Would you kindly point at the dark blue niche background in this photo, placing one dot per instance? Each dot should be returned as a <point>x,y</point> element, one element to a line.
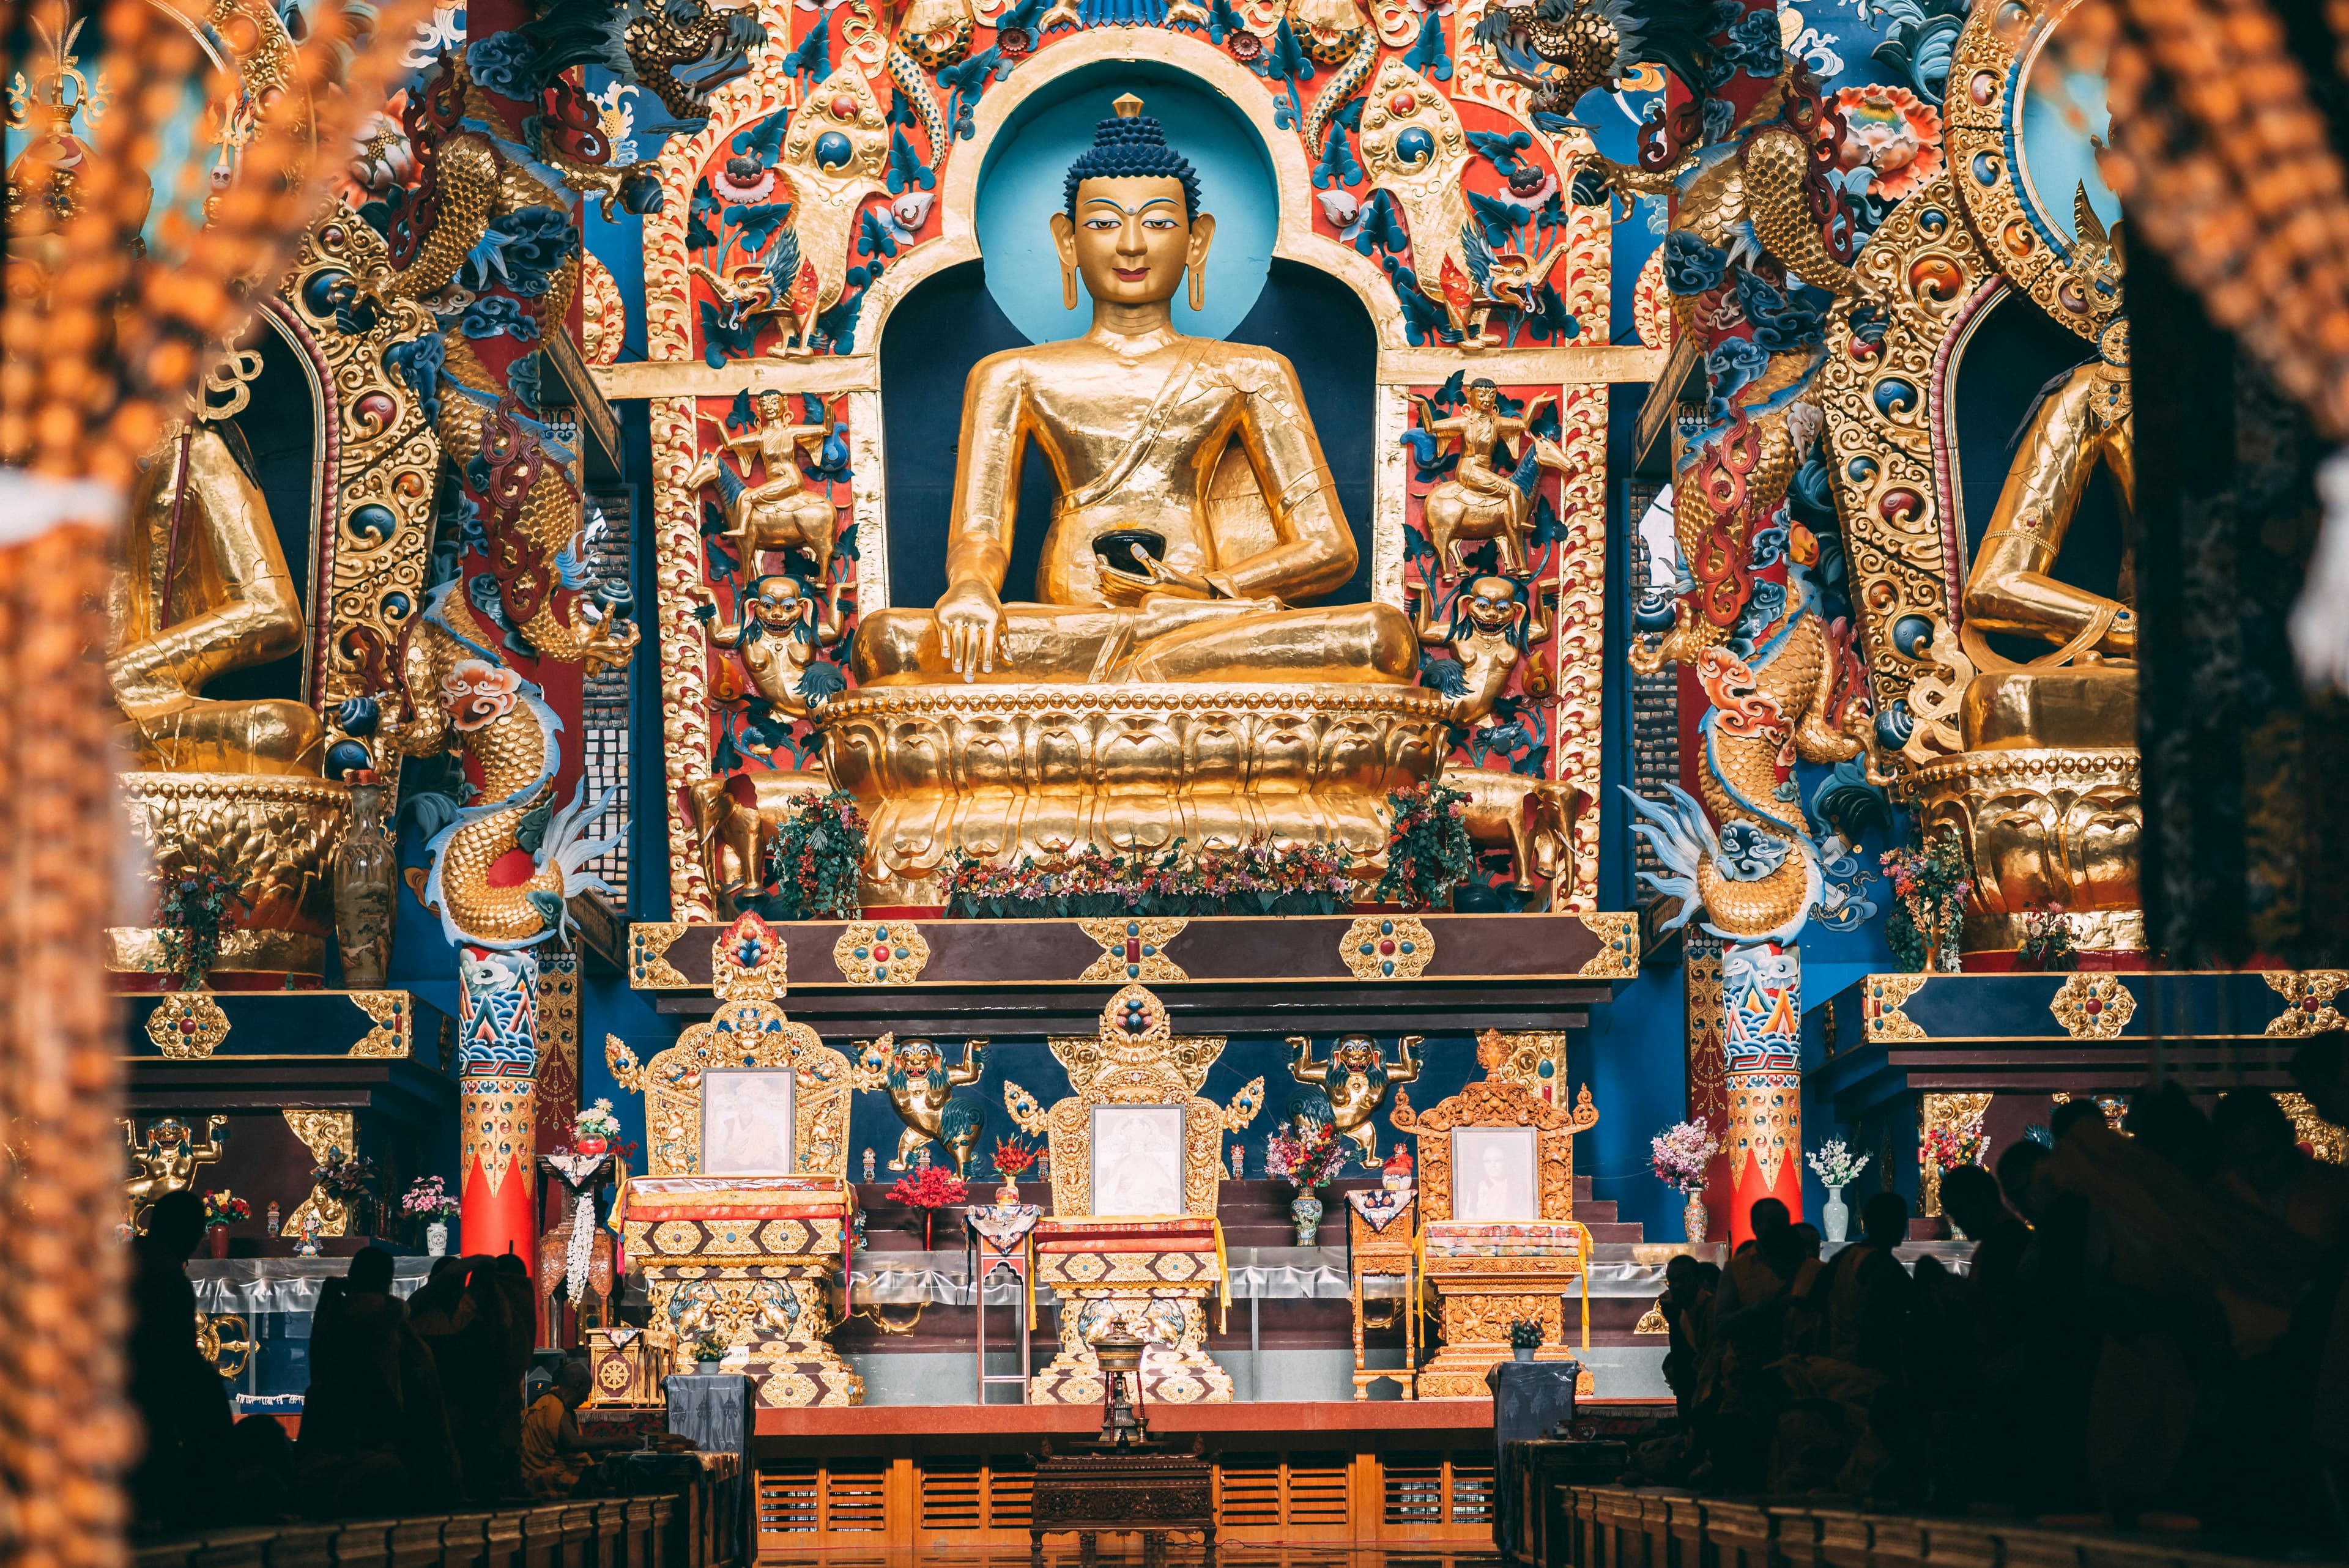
<point>949,323</point>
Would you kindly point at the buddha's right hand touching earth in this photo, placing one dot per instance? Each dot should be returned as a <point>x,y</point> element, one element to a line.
<point>970,624</point>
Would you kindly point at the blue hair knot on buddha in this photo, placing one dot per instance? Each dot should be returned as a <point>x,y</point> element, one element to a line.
<point>1132,147</point>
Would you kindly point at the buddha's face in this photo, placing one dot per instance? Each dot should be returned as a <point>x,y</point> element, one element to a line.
<point>1131,240</point>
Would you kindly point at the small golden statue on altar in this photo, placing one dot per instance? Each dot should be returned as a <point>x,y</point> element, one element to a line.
<point>1196,511</point>
<point>164,1161</point>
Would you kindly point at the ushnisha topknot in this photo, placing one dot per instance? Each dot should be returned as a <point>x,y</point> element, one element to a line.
<point>1131,147</point>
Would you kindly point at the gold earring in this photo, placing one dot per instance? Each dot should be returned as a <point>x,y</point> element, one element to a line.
<point>1068,288</point>
<point>1198,286</point>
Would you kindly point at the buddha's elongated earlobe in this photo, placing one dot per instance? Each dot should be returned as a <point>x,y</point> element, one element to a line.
<point>1198,285</point>
<point>1068,288</point>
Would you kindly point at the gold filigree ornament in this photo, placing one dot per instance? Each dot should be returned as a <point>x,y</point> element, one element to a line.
<point>1133,950</point>
<point>2308,1000</point>
<point>648,965</point>
<point>2326,1142</point>
<point>395,1022</point>
<point>1386,947</point>
<point>1880,1001</point>
<point>2093,1007</point>
<point>1618,958</point>
<point>881,953</point>
<point>186,1025</point>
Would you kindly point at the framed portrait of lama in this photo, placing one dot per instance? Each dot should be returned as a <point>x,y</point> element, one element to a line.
<point>1137,1164</point>
<point>1494,1174</point>
<point>745,1121</point>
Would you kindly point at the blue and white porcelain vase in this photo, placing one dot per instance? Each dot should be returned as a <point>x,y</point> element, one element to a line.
<point>1306,1211</point>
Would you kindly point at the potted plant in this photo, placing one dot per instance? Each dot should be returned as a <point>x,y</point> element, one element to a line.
<point>426,1200</point>
<point>596,1129</point>
<point>1679,1155</point>
<point>1525,1338</point>
<point>930,1188</point>
<point>1013,1156</point>
<point>1428,851</point>
<point>1837,1168</point>
<point>1307,1158</point>
<point>221,1210</point>
<point>708,1352</point>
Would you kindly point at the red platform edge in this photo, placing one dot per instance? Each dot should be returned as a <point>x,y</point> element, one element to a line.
<point>1253,1416</point>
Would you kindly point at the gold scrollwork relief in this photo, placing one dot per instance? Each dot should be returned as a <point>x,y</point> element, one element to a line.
<point>187,1025</point>
<point>881,953</point>
<point>2308,1000</point>
<point>1386,947</point>
<point>2093,1007</point>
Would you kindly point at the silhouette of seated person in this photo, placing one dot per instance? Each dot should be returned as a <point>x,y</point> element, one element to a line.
<point>259,1462</point>
<point>557,1458</point>
<point>179,1397</point>
<point>373,1424</point>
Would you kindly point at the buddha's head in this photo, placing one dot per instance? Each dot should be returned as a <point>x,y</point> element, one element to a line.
<point>1132,226</point>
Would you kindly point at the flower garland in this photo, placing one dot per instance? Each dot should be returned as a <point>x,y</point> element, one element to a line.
<point>1254,878</point>
<point>1932,882</point>
<point>1428,851</point>
<point>1836,1165</point>
<point>1679,1153</point>
<point>1308,1160</point>
<point>814,861</point>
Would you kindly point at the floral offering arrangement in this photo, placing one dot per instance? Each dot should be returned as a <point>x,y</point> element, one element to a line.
<point>343,1176</point>
<point>930,1188</point>
<point>427,1198</point>
<point>2047,946</point>
<point>1256,878</point>
<point>192,918</point>
<point>1949,1146</point>
<point>813,863</point>
<point>1932,882</point>
<point>1836,1165</point>
<point>1679,1153</point>
<point>1428,851</point>
<point>596,1123</point>
<point>1524,1334</point>
<point>1309,1161</point>
<point>225,1208</point>
<point>1013,1156</point>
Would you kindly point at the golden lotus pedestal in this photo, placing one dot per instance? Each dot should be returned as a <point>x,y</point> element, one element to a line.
<point>274,835</point>
<point>1003,771</point>
<point>2044,824</point>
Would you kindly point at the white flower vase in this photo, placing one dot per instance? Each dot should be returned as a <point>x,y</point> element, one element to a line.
<point>1835,1215</point>
<point>436,1239</point>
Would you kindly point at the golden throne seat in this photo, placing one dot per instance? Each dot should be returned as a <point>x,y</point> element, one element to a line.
<point>1517,1248</point>
<point>748,1255</point>
<point>1152,1262</point>
<point>1002,771</point>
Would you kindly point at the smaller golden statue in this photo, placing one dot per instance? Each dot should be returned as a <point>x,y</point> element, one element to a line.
<point>164,1159</point>
<point>779,513</point>
<point>1479,501</point>
<point>782,627</point>
<point>1494,622</point>
<point>920,1085</point>
<point>1356,1077</point>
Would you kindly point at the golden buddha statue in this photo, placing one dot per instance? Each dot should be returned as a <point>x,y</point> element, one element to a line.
<point>1166,684</point>
<point>206,591</point>
<point>1195,501</point>
<point>2045,792</point>
<point>231,785</point>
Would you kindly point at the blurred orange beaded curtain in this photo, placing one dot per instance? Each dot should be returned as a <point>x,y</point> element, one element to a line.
<point>95,355</point>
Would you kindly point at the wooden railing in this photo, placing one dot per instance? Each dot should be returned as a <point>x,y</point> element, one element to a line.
<point>1621,1527</point>
<point>678,1531</point>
